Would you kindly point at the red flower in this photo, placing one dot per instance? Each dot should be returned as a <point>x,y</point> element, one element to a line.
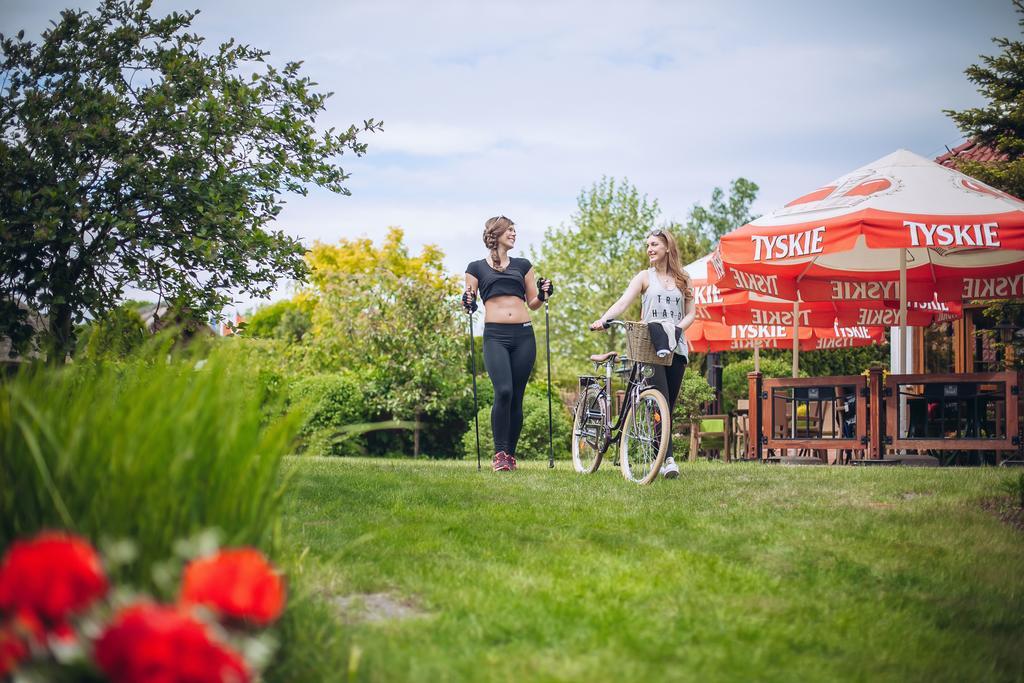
<point>13,650</point>
<point>15,637</point>
<point>146,642</point>
<point>237,584</point>
<point>51,576</point>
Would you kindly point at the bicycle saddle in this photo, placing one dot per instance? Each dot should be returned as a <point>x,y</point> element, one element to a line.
<point>604,357</point>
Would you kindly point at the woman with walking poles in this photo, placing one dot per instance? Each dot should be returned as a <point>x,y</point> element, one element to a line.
<point>505,284</point>
<point>667,298</point>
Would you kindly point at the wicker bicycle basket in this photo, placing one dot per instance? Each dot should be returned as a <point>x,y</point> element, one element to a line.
<point>638,342</point>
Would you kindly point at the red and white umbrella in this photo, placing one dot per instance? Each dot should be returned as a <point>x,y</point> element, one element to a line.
<point>738,319</point>
<point>743,307</point>
<point>707,335</point>
<point>902,228</point>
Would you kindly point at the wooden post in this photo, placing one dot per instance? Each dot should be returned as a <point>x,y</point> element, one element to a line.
<point>727,426</point>
<point>754,416</point>
<point>875,417</point>
<point>694,440</point>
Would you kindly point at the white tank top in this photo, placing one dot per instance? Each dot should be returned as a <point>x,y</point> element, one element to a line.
<point>661,303</point>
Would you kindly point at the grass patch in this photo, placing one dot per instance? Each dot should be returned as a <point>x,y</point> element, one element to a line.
<point>147,450</point>
<point>154,452</point>
<point>738,572</point>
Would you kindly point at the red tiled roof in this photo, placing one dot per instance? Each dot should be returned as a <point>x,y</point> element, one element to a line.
<point>971,151</point>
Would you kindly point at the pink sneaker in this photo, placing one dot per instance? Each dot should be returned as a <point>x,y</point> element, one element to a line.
<point>511,462</point>
<point>500,462</point>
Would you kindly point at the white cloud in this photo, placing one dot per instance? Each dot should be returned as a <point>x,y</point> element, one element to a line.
<point>434,139</point>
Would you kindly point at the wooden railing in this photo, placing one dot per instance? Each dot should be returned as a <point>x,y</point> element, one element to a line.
<point>832,417</point>
<point>968,411</point>
<point>952,412</point>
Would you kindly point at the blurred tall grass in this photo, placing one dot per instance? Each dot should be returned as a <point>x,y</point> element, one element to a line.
<point>153,449</point>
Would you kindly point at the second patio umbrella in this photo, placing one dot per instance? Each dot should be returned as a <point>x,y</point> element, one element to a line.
<point>706,335</point>
<point>738,319</point>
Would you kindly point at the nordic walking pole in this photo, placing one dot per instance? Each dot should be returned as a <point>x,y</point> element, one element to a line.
<point>476,410</point>
<point>547,345</point>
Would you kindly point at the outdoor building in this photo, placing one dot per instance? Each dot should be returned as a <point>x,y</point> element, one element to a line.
<point>956,346</point>
<point>226,330</point>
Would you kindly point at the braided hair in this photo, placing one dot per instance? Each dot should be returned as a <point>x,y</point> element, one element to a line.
<point>493,229</point>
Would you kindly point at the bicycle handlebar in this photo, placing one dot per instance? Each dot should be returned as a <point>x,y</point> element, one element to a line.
<point>611,323</point>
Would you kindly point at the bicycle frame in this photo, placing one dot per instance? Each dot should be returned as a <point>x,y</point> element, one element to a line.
<point>635,384</point>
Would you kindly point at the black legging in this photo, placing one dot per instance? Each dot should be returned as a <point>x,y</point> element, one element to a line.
<point>668,379</point>
<point>509,352</point>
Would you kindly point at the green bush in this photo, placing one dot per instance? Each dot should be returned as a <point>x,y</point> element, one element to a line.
<point>328,403</point>
<point>835,362</point>
<point>442,422</point>
<point>441,436</point>
<point>533,440</point>
<point>694,393</point>
<point>149,450</point>
<point>680,446</point>
<point>269,365</point>
<point>734,378</point>
<point>115,336</point>
<point>280,320</point>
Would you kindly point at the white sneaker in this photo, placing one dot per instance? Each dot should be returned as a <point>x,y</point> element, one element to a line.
<point>669,469</point>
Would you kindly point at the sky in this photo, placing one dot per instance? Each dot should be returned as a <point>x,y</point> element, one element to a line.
<point>514,108</point>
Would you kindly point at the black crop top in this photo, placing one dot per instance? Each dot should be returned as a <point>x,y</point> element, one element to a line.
<point>509,282</point>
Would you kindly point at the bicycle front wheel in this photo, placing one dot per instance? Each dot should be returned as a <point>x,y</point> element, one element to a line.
<point>645,434</point>
<point>588,429</point>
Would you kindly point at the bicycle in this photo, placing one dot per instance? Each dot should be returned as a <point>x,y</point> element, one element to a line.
<point>642,428</point>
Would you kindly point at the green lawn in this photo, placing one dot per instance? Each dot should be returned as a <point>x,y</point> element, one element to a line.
<point>732,572</point>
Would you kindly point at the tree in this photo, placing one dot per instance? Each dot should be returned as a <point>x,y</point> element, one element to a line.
<point>393,317</point>
<point>349,257</point>
<point>722,215</point>
<point>1000,123</point>
<point>593,258</point>
<point>350,278</point>
<point>129,156</point>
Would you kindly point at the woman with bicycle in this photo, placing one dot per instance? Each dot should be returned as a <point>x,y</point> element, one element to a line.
<point>505,284</point>
<point>666,295</point>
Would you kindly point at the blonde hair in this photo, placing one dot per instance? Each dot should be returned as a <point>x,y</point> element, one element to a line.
<point>673,264</point>
<point>493,229</point>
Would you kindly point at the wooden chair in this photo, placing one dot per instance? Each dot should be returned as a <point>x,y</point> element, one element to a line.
<point>711,433</point>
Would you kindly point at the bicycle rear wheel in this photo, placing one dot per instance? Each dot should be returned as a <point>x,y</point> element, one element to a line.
<point>588,429</point>
<point>645,434</point>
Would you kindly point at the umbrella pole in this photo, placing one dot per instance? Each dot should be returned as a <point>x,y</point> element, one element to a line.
<point>903,312</point>
<point>757,359</point>
<point>796,338</point>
